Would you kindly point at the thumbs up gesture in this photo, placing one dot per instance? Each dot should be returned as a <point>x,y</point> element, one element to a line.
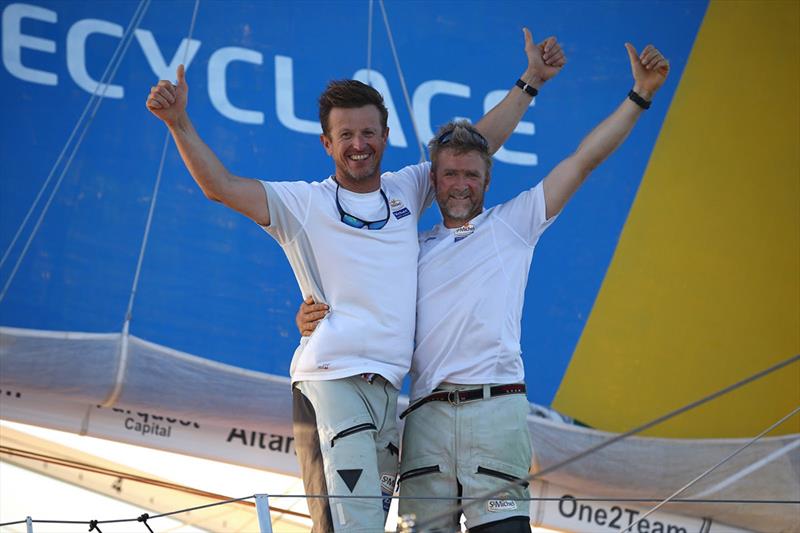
<point>649,69</point>
<point>168,101</point>
<point>544,59</point>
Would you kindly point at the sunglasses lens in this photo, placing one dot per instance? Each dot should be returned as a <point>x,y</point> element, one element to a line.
<point>352,221</point>
<point>378,224</point>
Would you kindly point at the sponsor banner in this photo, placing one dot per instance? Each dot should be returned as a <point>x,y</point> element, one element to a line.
<point>569,513</point>
<point>257,447</point>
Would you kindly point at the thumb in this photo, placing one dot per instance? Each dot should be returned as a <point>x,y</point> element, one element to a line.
<point>181,74</point>
<point>528,37</point>
<point>632,54</point>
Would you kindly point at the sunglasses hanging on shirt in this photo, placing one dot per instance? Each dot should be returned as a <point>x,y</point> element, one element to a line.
<point>358,223</point>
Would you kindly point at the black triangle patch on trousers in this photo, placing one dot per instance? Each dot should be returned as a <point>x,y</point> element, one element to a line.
<point>350,477</point>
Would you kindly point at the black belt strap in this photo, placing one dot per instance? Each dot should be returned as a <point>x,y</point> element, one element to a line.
<point>457,397</point>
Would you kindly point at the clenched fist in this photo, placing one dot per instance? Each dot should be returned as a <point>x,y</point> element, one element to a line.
<point>168,101</point>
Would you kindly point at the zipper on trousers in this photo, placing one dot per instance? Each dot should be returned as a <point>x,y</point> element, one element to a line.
<point>418,472</point>
<point>502,475</point>
<point>354,429</point>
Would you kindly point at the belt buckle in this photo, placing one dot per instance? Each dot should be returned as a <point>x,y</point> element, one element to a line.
<point>453,398</point>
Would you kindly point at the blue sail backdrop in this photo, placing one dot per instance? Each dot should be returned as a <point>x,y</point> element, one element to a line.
<point>214,284</point>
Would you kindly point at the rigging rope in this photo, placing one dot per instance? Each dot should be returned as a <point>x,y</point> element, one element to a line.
<point>621,436</point>
<point>350,496</point>
<point>78,465</point>
<point>369,42</point>
<point>123,360</point>
<point>752,468</point>
<point>157,185</point>
<point>96,100</point>
<point>113,65</point>
<point>708,471</point>
<point>102,82</point>
<point>402,82</point>
<point>69,463</point>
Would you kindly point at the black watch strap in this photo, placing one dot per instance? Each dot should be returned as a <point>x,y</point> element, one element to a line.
<point>527,88</point>
<point>638,100</point>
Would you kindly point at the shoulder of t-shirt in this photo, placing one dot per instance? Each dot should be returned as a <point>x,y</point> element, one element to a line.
<point>523,215</point>
<point>300,184</point>
<point>408,172</point>
<point>529,196</point>
<point>298,189</point>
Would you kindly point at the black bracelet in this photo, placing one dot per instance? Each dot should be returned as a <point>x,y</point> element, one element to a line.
<point>527,88</point>
<point>638,100</point>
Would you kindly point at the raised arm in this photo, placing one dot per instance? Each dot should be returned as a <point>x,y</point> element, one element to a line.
<point>650,70</point>
<point>544,61</point>
<point>168,102</point>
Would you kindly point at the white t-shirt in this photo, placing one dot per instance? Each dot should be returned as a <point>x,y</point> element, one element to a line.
<point>471,287</point>
<point>368,277</point>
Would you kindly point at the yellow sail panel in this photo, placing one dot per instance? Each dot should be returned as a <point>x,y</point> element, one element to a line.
<point>704,287</point>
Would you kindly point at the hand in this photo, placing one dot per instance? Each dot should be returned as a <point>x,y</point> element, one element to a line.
<point>649,69</point>
<point>544,60</point>
<point>309,316</point>
<point>168,101</point>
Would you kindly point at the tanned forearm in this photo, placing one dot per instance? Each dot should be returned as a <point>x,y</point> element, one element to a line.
<point>604,139</point>
<point>244,195</point>
<point>206,169</point>
<point>607,137</point>
<point>168,102</point>
<point>649,70</point>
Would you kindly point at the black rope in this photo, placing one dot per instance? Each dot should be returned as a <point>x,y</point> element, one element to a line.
<point>140,479</point>
<point>533,499</point>
<point>143,519</point>
<point>94,524</point>
<point>620,437</point>
<point>717,465</point>
<point>608,500</point>
<point>84,522</point>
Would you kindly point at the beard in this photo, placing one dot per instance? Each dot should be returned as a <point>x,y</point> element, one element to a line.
<point>459,210</point>
<point>362,174</point>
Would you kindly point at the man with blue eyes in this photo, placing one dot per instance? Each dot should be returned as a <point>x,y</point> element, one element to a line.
<point>466,431</point>
<point>352,242</point>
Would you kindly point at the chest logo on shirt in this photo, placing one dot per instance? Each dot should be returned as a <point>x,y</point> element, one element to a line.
<point>398,208</point>
<point>463,232</point>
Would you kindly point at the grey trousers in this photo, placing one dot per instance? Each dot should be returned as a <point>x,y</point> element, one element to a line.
<point>346,439</point>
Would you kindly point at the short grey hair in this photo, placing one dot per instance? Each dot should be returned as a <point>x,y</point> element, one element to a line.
<point>461,137</point>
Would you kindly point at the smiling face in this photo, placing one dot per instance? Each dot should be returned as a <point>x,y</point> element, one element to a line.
<point>356,141</point>
<point>460,180</point>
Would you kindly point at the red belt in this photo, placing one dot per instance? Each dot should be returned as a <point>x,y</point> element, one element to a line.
<point>458,396</point>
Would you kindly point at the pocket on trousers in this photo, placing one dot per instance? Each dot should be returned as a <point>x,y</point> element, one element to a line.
<point>419,471</point>
<point>358,428</point>
<point>503,472</point>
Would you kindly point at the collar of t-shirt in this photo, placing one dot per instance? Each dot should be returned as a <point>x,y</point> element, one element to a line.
<point>440,231</point>
<point>366,206</point>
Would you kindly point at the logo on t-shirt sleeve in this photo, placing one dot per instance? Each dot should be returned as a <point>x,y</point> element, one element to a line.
<point>398,209</point>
